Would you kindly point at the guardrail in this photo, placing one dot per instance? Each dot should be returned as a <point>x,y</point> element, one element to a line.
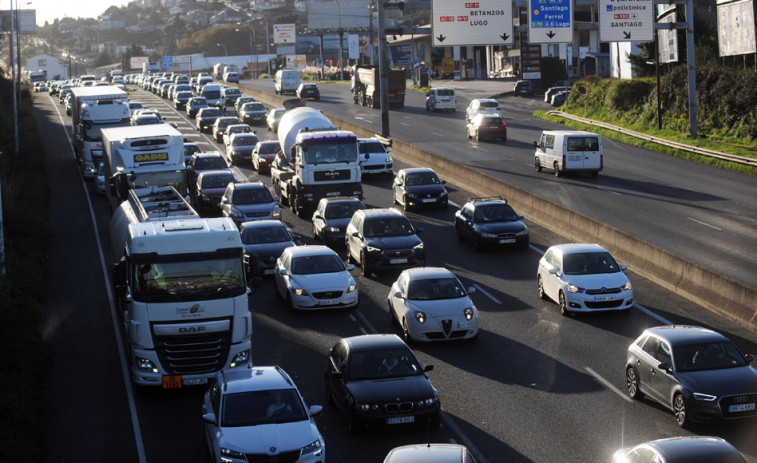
<point>661,141</point>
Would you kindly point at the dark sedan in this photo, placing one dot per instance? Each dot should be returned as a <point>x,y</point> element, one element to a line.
<point>210,187</point>
<point>490,221</point>
<point>253,113</point>
<point>331,217</point>
<point>697,373</point>
<point>376,381</point>
<point>419,187</point>
<point>194,105</point>
<point>206,117</point>
<point>264,241</point>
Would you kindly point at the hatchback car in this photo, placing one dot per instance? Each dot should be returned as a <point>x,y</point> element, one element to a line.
<point>258,414</point>
<point>490,222</point>
<point>194,105</point>
<point>209,188</point>
<point>486,126</point>
<point>693,449</point>
<point>235,128</point>
<point>240,147</point>
<point>263,242</point>
<point>253,113</point>
<point>273,119</point>
<point>430,304</point>
<point>263,155</point>
<point>374,157</point>
<point>249,201</point>
<point>199,162</point>
<point>180,98</point>
<point>376,381</point>
<point>419,187</point>
<point>430,453</point>
<point>241,102</point>
<point>583,278</point>
<point>331,217</point>
<point>523,88</point>
<point>700,375</point>
<point>308,90</point>
<point>482,106</point>
<point>314,278</point>
<point>230,95</point>
<point>205,119</point>
<point>383,239</point>
<point>220,124</point>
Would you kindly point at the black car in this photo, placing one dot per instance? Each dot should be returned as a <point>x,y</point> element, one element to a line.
<point>331,217</point>
<point>383,239</point>
<point>376,381</point>
<point>264,241</point>
<point>206,117</point>
<point>253,113</point>
<point>419,187</point>
<point>524,88</point>
<point>203,161</point>
<point>308,90</point>
<point>490,221</point>
<point>700,375</point>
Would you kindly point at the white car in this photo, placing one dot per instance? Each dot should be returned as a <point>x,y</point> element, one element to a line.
<point>430,304</point>
<point>315,277</point>
<point>583,278</point>
<point>482,106</point>
<point>273,119</point>
<point>258,412</point>
<point>430,453</point>
<point>374,157</point>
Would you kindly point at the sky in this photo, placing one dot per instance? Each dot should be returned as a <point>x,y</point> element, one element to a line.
<point>48,10</point>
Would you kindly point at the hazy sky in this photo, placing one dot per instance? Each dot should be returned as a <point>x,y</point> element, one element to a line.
<point>48,10</point>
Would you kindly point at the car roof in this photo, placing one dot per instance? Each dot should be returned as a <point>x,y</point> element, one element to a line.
<point>208,154</point>
<point>570,132</point>
<point>263,224</point>
<point>426,453</point>
<point>685,334</point>
<point>268,142</point>
<point>310,250</point>
<point>215,172</point>
<point>574,248</point>
<point>250,186</point>
<point>485,100</point>
<point>417,170</point>
<point>695,449</point>
<point>485,201</point>
<point>424,273</point>
<point>380,212</point>
<point>254,378</point>
<point>339,199</point>
<point>369,342</point>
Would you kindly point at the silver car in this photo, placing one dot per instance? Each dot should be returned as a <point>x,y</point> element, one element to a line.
<point>430,453</point>
<point>681,450</point>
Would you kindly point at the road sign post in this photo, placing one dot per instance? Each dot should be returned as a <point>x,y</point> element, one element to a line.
<point>472,22</point>
<point>626,20</point>
<point>550,21</point>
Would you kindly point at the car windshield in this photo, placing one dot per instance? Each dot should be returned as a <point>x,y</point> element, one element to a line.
<point>244,141</point>
<point>423,178</point>
<point>226,122</point>
<point>371,147</point>
<point>494,213</point>
<point>210,163</point>
<point>253,107</point>
<point>383,364</point>
<point>430,289</point>
<point>198,102</point>
<point>707,356</point>
<point>388,226</point>
<point>489,104</point>
<point>342,210</point>
<point>233,91</point>
<point>325,263</point>
<point>212,112</point>
<point>217,181</point>
<point>589,263</point>
<point>255,408</point>
<point>212,94</point>
<point>252,196</point>
<point>264,235</point>
<point>268,148</point>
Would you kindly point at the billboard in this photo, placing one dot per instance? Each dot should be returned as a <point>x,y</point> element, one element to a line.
<point>26,21</point>
<point>135,62</point>
<point>668,41</point>
<point>736,35</point>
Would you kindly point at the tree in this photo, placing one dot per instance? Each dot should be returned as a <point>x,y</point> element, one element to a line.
<point>103,59</point>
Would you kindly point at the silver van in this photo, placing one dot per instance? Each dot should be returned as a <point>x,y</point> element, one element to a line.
<point>569,151</point>
<point>441,99</point>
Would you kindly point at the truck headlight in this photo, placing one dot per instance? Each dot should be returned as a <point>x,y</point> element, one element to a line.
<point>240,358</point>
<point>144,364</point>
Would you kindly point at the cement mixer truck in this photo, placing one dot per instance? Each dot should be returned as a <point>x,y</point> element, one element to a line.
<point>324,160</point>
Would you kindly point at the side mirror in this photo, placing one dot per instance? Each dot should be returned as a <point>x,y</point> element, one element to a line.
<point>337,375</point>
<point>283,272</point>
<point>749,358</point>
<point>210,418</point>
<point>418,230</point>
<point>315,410</point>
<point>471,289</point>
<point>350,267</point>
<point>398,295</point>
<point>428,367</point>
<point>444,182</point>
<point>664,366</point>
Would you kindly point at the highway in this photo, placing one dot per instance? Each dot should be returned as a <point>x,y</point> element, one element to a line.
<point>535,387</point>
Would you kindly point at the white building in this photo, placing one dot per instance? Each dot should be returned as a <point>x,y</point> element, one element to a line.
<point>50,64</point>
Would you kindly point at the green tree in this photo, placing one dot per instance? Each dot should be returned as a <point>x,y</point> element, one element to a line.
<point>103,59</point>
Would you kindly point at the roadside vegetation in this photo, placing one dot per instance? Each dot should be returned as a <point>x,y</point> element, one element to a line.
<point>25,357</point>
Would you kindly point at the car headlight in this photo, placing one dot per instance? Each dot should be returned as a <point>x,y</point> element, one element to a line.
<point>336,230</point>
<point>388,159</point>
<point>262,160</point>
<point>488,235</point>
<point>418,247</point>
<point>575,289</point>
<point>235,213</point>
<point>426,402</point>
<point>627,286</point>
<point>468,312</point>
<point>232,453</point>
<point>372,249</point>
<point>412,195</point>
<point>300,292</point>
<point>420,316</point>
<point>522,232</point>
<point>312,447</point>
<point>369,407</point>
<point>276,214</point>
<point>352,287</point>
<point>704,397</point>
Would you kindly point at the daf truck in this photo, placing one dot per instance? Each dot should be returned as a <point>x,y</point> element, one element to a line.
<point>142,156</point>
<point>324,160</point>
<point>92,110</point>
<point>181,285</point>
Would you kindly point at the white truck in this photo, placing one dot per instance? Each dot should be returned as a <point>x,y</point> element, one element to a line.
<point>92,110</point>
<point>180,282</point>
<point>324,160</point>
<point>142,156</point>
<point>218,70</point>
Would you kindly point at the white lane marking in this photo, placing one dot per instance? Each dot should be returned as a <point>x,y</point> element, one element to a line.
<point>116,328</point>
<point>363,119</point>
<point>437,134</point>
<point>405,124</point>
<point>705,224</point>
<point>496,301</point>
<point>608,385</point>
<point>653,315</point>
<point>610,191</point>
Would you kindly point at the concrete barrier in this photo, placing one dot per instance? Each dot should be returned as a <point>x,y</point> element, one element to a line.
<point>681,276</point>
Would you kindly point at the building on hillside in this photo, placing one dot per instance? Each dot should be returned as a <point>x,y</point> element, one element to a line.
<point>108,22</point>
<point>49,64</point>
<point>228,16</point>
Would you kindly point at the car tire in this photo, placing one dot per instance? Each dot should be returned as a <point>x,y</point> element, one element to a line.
<point>392,318</point>
<point>542,295</point>
<point>289,302</point>
<point>405,207</point>
<point>679,409</point>
<point>595,174</point>
<point>537,164</point>
<point>458,233</point>
<point>405,332</point>
<point>563,303</point>
<point>632,384</point>
<point>364,265</point>
<point>352,428</point>
<point>556,168</point>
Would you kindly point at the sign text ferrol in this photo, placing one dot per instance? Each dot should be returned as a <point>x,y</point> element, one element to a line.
<point>550,21</point>
<point>626,20</point>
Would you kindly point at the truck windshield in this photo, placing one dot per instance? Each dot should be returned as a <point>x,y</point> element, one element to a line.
<point>331,153</point>
<point>92,132</point>
<point>174,178</point>
<point>189,280</point>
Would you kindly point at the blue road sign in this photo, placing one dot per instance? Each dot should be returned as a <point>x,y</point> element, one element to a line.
<point>550,21</point>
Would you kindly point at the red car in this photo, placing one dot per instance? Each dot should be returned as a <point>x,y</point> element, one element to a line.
<point>263,154</point>
<point>484,126</point>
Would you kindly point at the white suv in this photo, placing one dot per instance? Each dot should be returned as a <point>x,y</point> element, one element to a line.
<point>374,157</point>
<point>257,414</point>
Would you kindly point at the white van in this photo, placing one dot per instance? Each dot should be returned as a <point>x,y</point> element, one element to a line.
<point>569,151</point>
<point>212,93</point>
<point>441,99</point>
<point>286,80</point>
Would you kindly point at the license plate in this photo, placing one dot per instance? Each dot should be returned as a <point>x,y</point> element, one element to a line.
<point>268,271</point>
<point>332,193</point>
<point>507,240</point>
<point>741,408</point>
<point>604,298</point>
<point>328,302</point>
<point>398,261</point>
<point>574,158</point>
<point>172,382</point>
<point>400,420</point>
<point>429,200</point>
<point>195,381</point>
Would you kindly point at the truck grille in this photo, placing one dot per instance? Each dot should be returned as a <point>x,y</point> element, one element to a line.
<point>331,175</point>
<point>193,354</point>
<point>284,457</point>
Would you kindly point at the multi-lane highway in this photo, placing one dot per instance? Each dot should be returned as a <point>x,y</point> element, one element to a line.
<point>535,387</point>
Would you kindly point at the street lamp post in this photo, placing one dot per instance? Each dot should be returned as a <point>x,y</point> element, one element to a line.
<point>224,48</point>
<point>252,50</point>
<point>341,62</point>
<point>267,43</point>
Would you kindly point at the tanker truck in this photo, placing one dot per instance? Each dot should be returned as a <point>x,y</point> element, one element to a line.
<point>324,160</point>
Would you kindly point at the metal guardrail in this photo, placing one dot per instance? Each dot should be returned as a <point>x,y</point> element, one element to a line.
<point>672,144</point>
